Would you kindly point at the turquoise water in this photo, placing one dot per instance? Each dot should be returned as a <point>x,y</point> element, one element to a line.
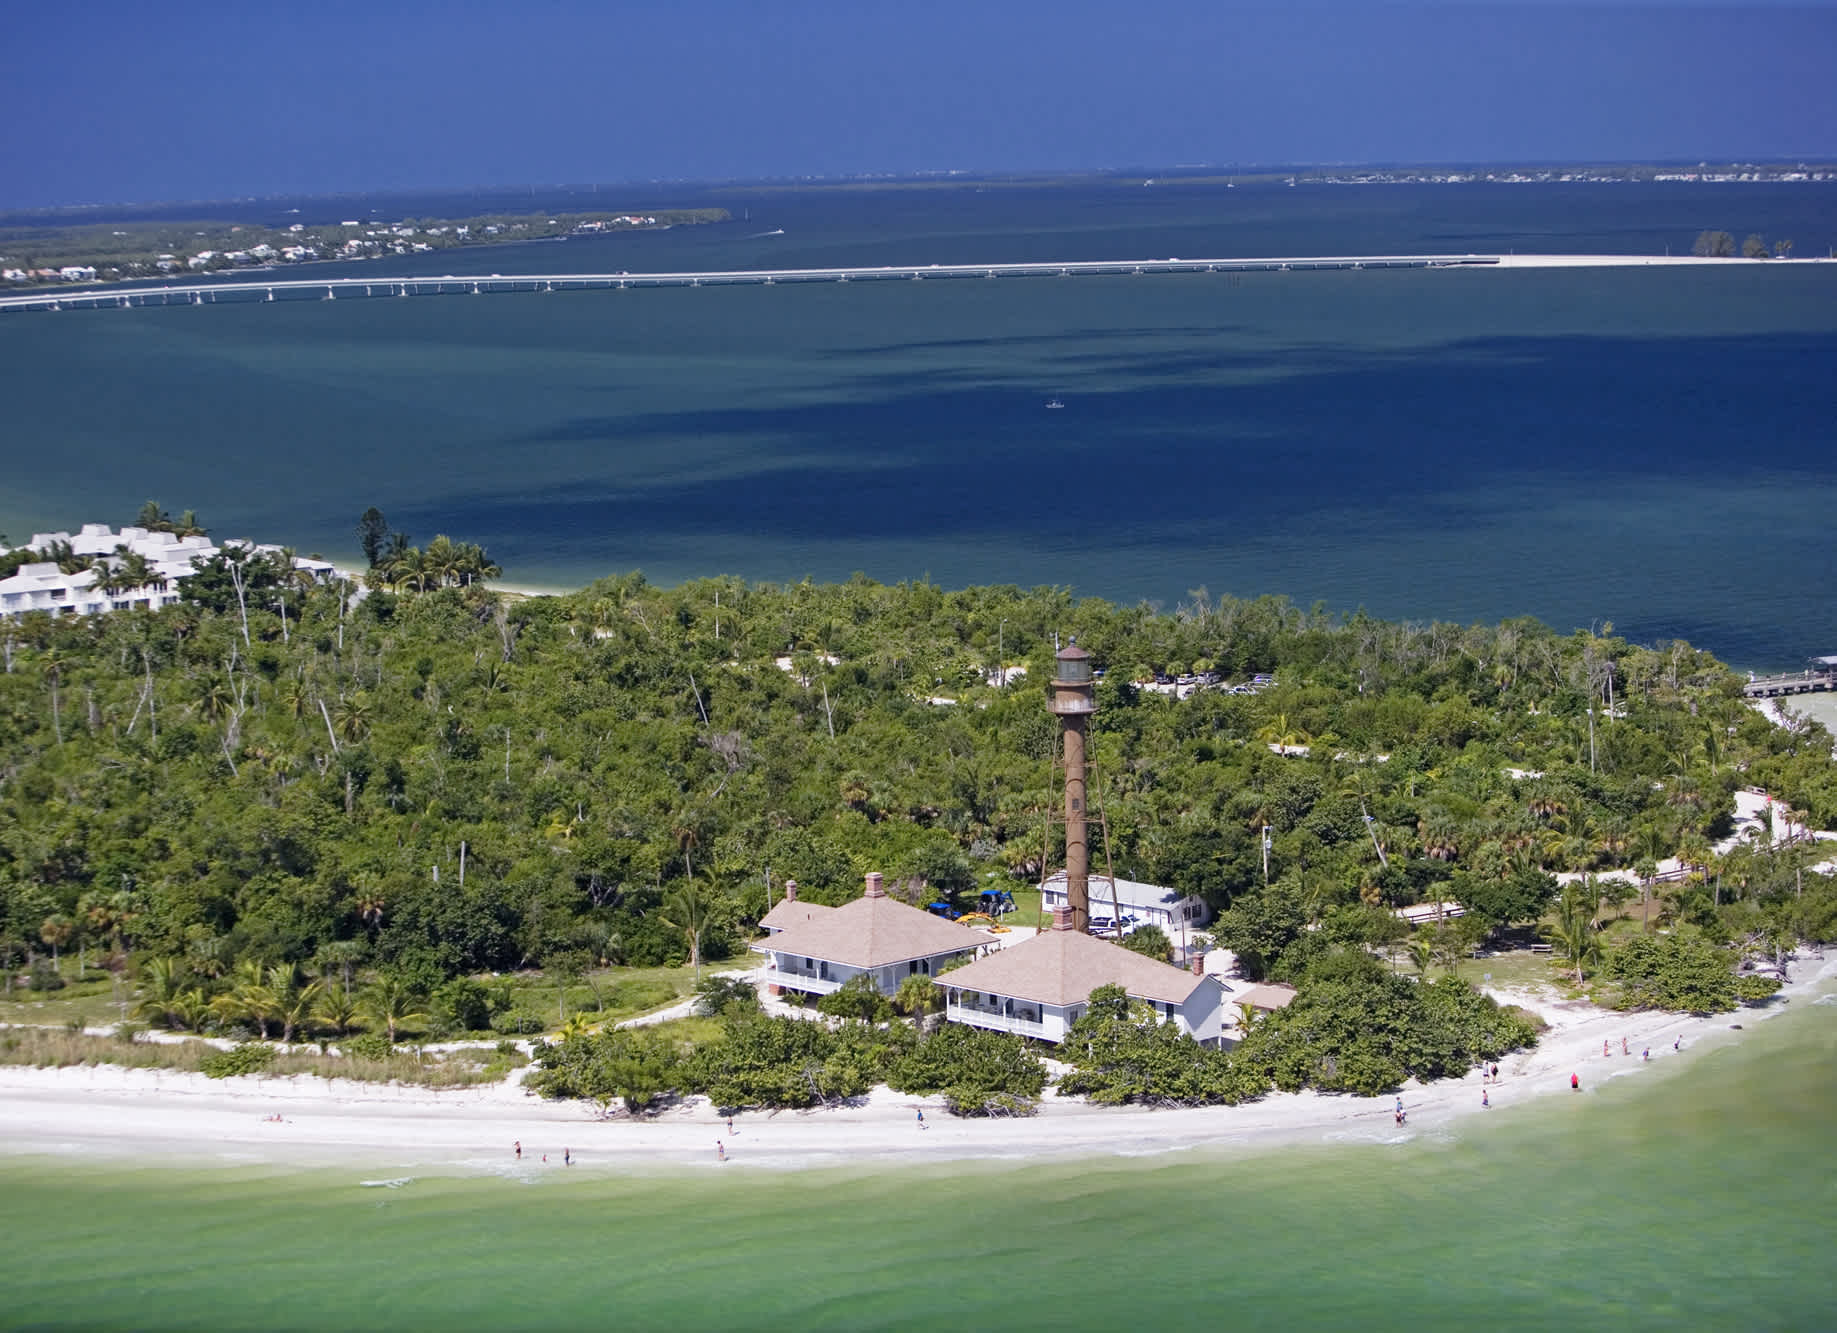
<point>1646,447</point>
<point>1689,1195</point>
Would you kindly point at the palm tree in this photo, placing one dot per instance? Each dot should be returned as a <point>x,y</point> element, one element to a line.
<point>370,907</point>
<point>337,1008</point>
<point>1440,833</point>
<point>352,716</point>
<point>1283,734</point>
<point>392,1004</point>
<point>1574,930</point>
<point>57,930</point>
<point>248,999</point>
<point>918,995</point>
<point>295,1002</point>
<point>443,561</point>
<point>683,909</point>
<point>162,984</point>
<point>1647,871</point>
<point>476,564</point>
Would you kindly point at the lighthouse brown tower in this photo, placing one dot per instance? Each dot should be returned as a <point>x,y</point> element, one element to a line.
<point>1074,699</point>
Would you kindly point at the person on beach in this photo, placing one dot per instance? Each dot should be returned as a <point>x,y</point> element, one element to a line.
<point>1484,1099</point>
<point>720,1151</point>
<point>1400,1109</point>
<point>730,1126</point>
<point>1648,1054</point>
<point>518,1145</point>
<point>567,1157</point>
<point>1495,1073</point>
<point>1678,1045</point>
<point>1604,1048</point>
<point>921,1117</point>
<point>1623,1047</point>
<point>1575,1083</point>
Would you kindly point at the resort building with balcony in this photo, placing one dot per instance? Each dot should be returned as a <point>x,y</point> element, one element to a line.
<point>1040,987</point>
<point>43,586</point>
<point>816,950</point>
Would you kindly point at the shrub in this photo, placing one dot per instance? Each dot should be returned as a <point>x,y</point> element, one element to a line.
<point>369,1046</point>
<point>44,976</point>
<point>1683,971</point>
<point>516,1023</point>
<point>462,1005</point>
<point>857,997</point>
<point>1150,942</point>
<point>1754,988</point>
<point>716,995</point>
<point>252,1057</point>
<point>1123,1055</point>
<point>978,1072</point>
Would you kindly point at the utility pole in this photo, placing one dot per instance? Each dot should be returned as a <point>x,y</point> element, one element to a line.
<point>1266,855</point>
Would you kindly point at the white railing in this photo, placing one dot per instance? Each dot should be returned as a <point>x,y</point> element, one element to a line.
<point>797,979</point>
<point>995,1021</point>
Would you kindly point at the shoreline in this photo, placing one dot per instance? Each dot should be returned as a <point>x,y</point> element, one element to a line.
<point>170,1119</point>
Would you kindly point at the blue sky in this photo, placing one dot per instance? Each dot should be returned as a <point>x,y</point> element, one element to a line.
<point>120,100</point>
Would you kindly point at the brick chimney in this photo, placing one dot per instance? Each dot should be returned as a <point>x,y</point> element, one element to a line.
<point>1199,963</point>
<point>1062,917</point>
<point>874,890</point>
<point>790,890</point>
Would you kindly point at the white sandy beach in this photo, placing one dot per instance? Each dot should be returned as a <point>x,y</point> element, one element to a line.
<point>163,1118</point>
<point>1641,261</point>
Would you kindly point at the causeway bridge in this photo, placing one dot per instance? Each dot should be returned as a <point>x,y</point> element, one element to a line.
<point>275,288</point>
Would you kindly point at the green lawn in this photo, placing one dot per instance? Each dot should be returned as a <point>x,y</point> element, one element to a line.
<point>1519,970</point>
<point>91,1001</point>
<point>613,994</point>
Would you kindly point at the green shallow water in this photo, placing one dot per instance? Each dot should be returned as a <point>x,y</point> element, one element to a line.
<point>1694,1196</point>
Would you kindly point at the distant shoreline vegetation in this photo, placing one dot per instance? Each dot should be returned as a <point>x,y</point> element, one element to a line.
<point>54,253</point>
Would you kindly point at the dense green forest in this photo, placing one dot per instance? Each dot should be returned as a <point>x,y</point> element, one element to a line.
<point>445,781</point>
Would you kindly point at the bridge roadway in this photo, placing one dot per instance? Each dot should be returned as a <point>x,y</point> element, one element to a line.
<point>327,289</point>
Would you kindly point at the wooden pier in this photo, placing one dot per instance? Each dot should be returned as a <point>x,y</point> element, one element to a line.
<point>1820,675</point>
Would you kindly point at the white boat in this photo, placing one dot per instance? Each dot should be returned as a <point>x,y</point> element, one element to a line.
<point>1055,404</point>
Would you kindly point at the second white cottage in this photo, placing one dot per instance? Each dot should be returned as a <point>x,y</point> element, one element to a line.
<point>1040,987</point>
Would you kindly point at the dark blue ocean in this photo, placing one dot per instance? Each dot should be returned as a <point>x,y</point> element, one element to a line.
<point>1650,447</point>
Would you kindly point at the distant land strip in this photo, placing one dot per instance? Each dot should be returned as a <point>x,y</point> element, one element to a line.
<point>296,289</point>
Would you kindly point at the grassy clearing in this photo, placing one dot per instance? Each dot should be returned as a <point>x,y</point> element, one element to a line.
<point>614,994</point>
<point>52,1048</point>
<point>93,999</point>
<point>1027,910</point>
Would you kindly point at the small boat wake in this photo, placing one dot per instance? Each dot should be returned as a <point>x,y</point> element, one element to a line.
<point>759,235</point>
<point>394,1184</point>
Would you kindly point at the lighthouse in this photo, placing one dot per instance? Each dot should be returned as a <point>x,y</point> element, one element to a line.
<point>1073,700</point>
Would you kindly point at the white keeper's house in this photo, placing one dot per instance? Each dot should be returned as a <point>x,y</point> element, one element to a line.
<point>816,949</point>
<point>1149,904</point>
<point>1040,987</point>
